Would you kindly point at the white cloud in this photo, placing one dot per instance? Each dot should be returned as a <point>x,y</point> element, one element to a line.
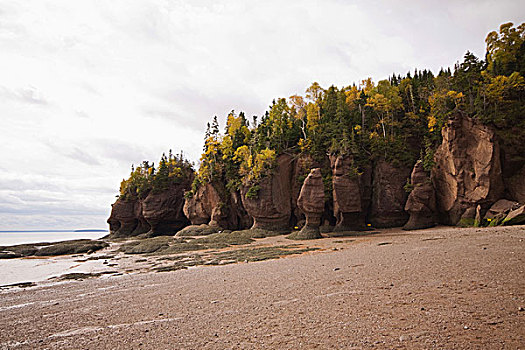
<point>89,87</point>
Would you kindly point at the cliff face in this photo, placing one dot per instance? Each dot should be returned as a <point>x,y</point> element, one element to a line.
<point>143,225</point>
<point>515,185</point>
<point>220,211</point>
<point>163,210</point>
<point>125,218</point>
<point>199,207</point>
<point>350,192</point>
<point>389,196</point>
<point>271,207</point>
<point>158,214</point>
<point>466,181</point>
<point>301,170</point>
<point>468,169</point>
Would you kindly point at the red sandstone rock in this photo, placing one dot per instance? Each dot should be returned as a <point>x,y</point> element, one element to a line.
<point>207,207</point>
<point>142,224</point>
<point>349,191</point>
<point>199,207</point>
<point>468,170</point>
<point>238,213</point>
<point>515,217</point>
<point>389,196</point>
<point>500,209</point>
<point>515,185</point>
<point>421,203</point>
<point>271,209</point>
<point>163,210</point>
<point>126,218</point>
<point>311,203</point>
<point>301,169</point>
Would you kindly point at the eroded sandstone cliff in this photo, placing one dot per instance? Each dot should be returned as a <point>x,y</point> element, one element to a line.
<point>466,181</point>
<point>271,206</point>
<point>351,192</point>
<point>389,196</point>
<point>467,172</point>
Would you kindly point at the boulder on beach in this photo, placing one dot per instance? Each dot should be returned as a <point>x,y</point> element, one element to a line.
<point>499,211</point>
<point>515,217</point>
<point>197,230</point>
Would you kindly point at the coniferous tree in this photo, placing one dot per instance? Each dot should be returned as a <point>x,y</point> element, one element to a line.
<point>215,127</point>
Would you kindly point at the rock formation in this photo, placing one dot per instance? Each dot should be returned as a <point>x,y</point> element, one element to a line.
<point>311,203</point>
<point>468,217</point>
<point>113,221</point>
<point>197,230</point>
<point>499,211</point>
<point>206,207</point>
<point>301,170</point>
<point>350,191</point>
<point>477,218</point>
<point>389,196</point>
<point>238,213</point>
<point>198,208</point>
<point>142,225</point>
<point>271,208</point>
<point>163,210</point>
<point>467,182</point>
<point>515,217</point>
<point>126,218</point>
<point>515,185</point>
<point>501,208</point>
<point>365,184</point>
<point>468,170</point>
<point>421,203</point>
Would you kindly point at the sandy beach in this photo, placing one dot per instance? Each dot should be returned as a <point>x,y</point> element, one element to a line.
<point>442,288</point>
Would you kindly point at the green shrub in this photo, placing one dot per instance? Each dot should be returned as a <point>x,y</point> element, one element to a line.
<point>408,186</point>
<point>253,192</point>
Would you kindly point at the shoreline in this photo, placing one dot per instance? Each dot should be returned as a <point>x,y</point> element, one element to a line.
<point>9,238</point>
<point>111,261</point>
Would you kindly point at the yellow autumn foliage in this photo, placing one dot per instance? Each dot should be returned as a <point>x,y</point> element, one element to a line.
<point>254,168</point>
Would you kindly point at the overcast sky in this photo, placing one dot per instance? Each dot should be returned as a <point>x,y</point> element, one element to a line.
<point>89,87</point>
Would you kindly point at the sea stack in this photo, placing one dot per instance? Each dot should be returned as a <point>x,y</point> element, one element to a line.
<point>311,203</point>
<point>421,203</point>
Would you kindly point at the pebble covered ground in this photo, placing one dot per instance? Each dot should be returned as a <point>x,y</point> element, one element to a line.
<point>443,288</point>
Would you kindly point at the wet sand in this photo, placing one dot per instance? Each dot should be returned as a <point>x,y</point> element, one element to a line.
<point>443,288</point>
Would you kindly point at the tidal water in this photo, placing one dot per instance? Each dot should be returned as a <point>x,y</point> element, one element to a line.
<point>22,237</point>
<point>36,269</point>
